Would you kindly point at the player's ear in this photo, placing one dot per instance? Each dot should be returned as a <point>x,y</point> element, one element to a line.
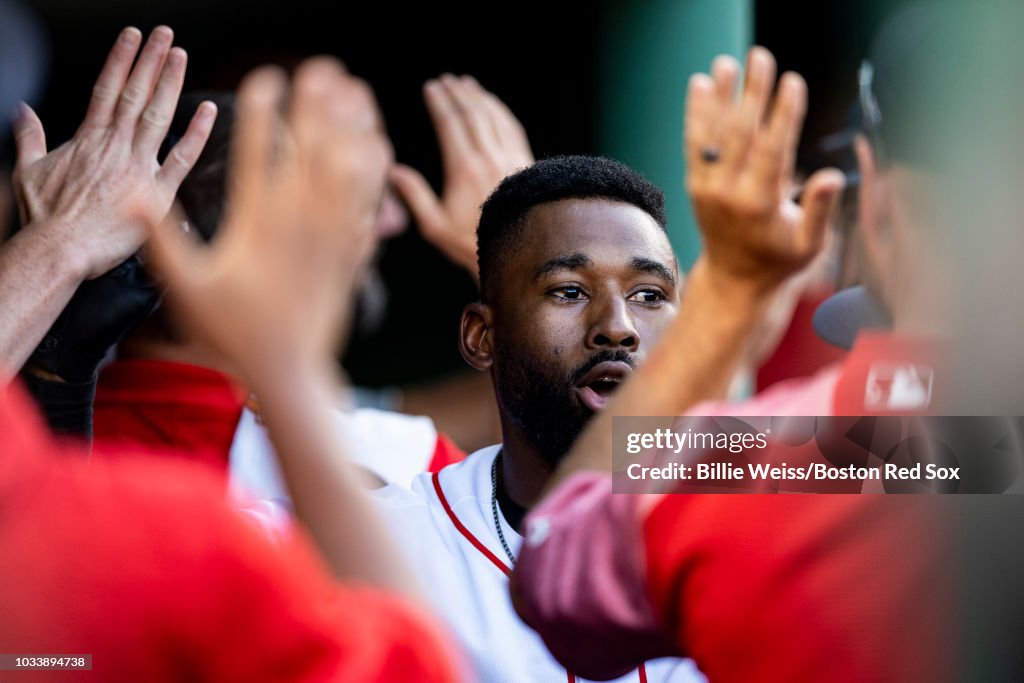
<point>476,335</point>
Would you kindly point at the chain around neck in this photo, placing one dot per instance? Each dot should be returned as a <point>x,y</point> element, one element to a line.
<point>494,510</point>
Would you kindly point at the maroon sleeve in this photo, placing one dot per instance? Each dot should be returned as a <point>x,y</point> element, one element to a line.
<point>580,579</point>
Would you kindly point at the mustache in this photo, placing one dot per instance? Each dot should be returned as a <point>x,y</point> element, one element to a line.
<point>601,357</point>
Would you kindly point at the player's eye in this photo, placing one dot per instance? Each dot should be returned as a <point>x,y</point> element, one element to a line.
<point>568,292</point>
<point>648,296</point>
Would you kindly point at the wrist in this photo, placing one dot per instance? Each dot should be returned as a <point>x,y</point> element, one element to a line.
<point>56,241</point>
<point>739,293</point>
<point>44,261</point>
<point>289,379</point>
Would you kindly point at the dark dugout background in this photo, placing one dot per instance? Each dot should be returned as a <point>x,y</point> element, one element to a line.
<point>545,59</point>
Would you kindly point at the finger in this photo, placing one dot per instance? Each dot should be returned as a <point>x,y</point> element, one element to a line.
<point>724,71</point>
<point>353,109</point>
<point>156,119</point>
<point>29,137</point>
<point>497,115</point>
<point>496,128</point>
<point>511,134</point>
<point>316,84</point>
<point>698,125</point>
<point>251,147</point>
<point>141,82</point>
<point>174,253</point>
<point>820,199</point>
<point>474,115</point>
<point>360,153</point>
<point>787,119</point>
<point>760,79</point>
<point>744,122</point>
<point>452,135</point>
<point>112,78</point>
<point>185,153</point>
<point>420,197</point>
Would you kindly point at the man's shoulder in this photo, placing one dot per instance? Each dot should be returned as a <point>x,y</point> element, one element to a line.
<point>395,496</point>
<point>419,526</point>
<point>456,480</point>
<point>377,420</point>
<point>394,446</point>
<point>422,517</point>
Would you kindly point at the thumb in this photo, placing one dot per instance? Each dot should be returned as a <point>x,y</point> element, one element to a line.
<point>29,136</point>
<point>172,252</point>
<point>820,199</point>
<point>420,197</point>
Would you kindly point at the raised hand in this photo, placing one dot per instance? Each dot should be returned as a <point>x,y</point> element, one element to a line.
<point>274,288</point>
<point>85,205</point>
<point>271,291</point>
<point>481,143</point>
<point>740,179</point>
<point>740,156</point>
<point>96,194</point>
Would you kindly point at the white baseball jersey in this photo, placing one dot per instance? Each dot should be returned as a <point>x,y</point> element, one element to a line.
<point>394,446</point>
<point>446,526</point>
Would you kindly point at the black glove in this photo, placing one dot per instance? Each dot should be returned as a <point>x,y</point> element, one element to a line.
<point>67,406</point>
<point>98,316</point>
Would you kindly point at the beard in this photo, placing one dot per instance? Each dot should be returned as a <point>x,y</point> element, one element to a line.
<point>543,403</point>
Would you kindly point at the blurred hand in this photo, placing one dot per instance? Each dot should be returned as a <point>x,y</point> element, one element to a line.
<point>740,159</point>
<point>97,192</point>
<point>481,143</point>
<point>272,291</point>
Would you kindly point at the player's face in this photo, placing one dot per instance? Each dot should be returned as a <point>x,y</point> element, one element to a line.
<point>592,286</point>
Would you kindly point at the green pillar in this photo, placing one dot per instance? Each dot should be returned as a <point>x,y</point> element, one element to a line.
<point>648,50</point>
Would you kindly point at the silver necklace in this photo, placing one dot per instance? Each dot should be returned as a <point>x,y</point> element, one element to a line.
<point>494,510</point>
<point>497,519</point>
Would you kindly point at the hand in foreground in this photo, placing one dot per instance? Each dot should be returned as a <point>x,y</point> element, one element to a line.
<point>481,143</point>
<point>755,237</point>
<point>273,289</point>
<point>740,159</point>
<point>96,194</point>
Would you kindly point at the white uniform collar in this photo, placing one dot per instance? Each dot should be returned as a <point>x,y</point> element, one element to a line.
<point>467,487</point>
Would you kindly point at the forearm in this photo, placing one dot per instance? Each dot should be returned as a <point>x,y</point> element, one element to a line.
<point>325,486</point>
<point>694,361</point>
<point>37,279</point>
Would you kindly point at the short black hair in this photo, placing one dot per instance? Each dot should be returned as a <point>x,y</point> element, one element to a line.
<point>564,177</point>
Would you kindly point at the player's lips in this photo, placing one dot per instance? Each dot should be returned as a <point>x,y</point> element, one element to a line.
<point>596,387</point>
